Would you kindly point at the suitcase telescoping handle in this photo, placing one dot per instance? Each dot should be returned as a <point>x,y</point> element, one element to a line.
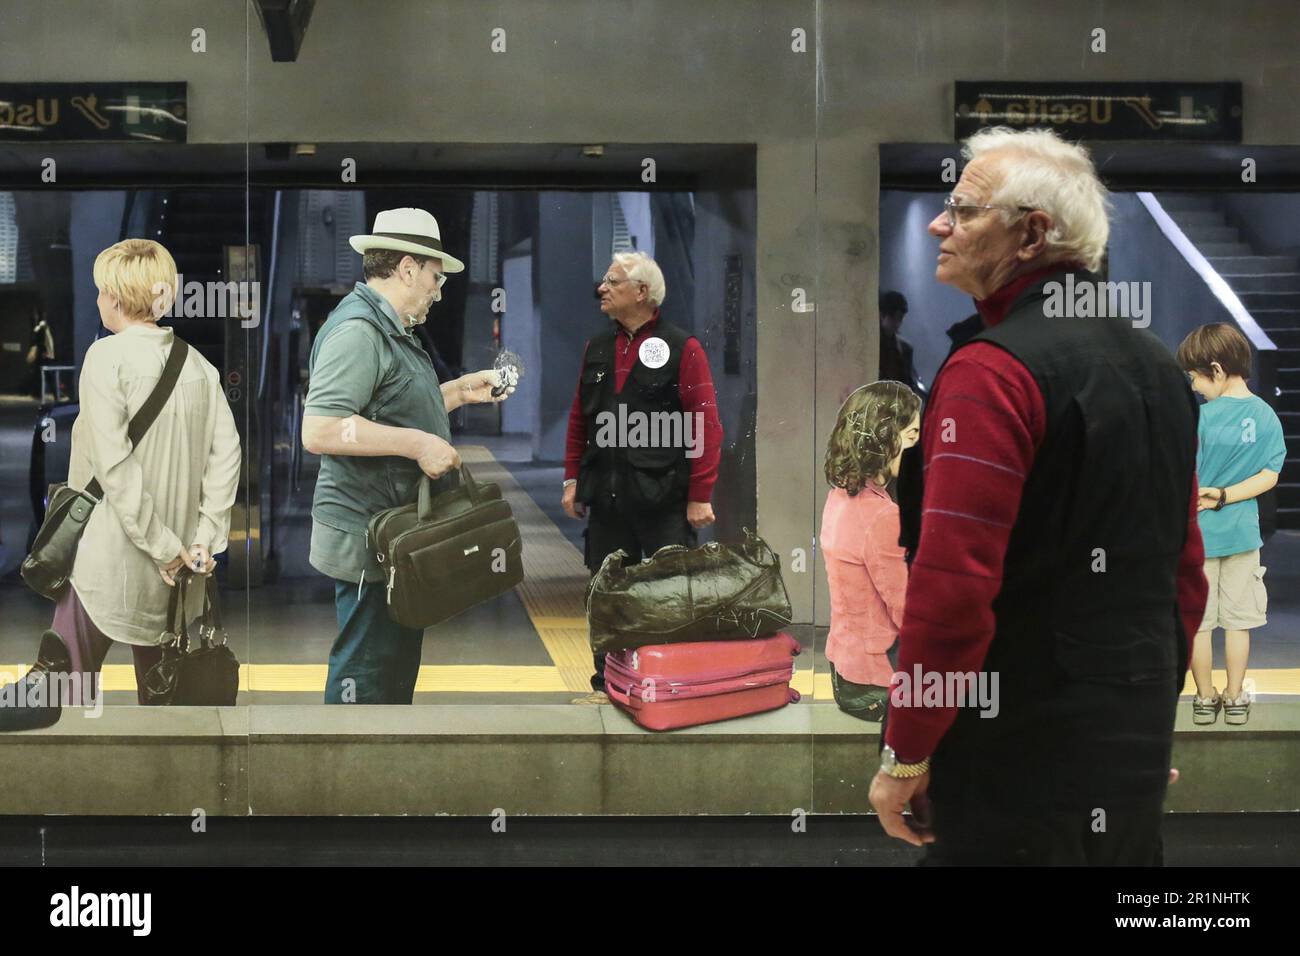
<point>424,506</point>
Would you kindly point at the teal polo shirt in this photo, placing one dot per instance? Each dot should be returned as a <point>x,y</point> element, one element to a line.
<point>1236,439</point>
<point>366,362</point>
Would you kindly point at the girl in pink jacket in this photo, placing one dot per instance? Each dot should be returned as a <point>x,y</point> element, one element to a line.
<point>859,540</point>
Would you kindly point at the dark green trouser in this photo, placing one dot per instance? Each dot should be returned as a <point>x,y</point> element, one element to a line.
<point>864,701</point>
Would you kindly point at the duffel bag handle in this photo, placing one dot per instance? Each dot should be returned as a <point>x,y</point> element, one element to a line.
<point>424,506</point>
<point>762,545</point>
<point>613,562</point>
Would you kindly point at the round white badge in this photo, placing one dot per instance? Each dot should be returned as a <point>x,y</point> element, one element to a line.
<point>654,352</point>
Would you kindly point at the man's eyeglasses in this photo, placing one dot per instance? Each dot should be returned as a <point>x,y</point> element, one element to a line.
<point>612,281</point>
<point>954,209</point>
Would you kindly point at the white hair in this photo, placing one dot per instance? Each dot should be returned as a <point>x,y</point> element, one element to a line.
<point>1045,172</point>
<point>641,268</point>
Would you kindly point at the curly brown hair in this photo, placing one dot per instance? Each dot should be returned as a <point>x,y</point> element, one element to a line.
<point>868,434</point>
<point>381,263</point>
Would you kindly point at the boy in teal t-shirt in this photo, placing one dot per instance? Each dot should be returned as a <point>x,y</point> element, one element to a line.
<point>1239,456</point>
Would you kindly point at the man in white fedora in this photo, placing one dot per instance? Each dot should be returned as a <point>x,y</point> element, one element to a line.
<point>377,416</point>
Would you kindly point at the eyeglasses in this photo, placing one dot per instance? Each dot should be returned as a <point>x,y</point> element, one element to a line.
<point>611,281</point>
<point>441,276</point>
<point>951,207</point>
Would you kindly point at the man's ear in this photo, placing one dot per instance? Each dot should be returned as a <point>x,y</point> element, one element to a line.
<point>1037,225</point>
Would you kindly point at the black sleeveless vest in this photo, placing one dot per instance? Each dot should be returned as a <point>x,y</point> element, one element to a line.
<point>641,476</point>
<point>1090,579</point>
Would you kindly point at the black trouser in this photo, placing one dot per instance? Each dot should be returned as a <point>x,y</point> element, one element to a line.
<point>993,834</point>
<point>1083,784</point>
<point>639,532</point>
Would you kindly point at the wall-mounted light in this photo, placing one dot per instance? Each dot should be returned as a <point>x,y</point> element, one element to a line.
<point>593,152</point>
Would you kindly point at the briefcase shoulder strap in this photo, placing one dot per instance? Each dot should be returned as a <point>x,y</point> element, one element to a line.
<point>144,418</point>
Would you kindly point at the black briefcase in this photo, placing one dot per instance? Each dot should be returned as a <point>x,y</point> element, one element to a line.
<point>195,670</point>
<point>447,553</point>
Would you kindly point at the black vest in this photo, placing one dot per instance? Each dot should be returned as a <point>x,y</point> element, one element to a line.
<point>640,476</point>
<point>1109,488</point>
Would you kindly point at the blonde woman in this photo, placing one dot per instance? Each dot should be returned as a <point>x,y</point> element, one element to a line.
<point>859,539</point>
<point>166,503</point>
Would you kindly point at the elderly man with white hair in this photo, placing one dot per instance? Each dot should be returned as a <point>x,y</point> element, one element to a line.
<point>640,490</point>
<point>1049,515</point>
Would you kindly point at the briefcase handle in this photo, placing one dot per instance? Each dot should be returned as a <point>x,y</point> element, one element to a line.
<point>424,507</point>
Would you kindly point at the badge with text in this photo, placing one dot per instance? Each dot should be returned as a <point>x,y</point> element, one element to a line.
<point>654,352</point>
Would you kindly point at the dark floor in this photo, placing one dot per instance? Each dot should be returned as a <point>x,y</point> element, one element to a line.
<point>1190,840</point>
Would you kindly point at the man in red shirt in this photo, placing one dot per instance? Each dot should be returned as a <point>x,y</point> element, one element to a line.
<point>644,439</point>
<point>1050,519</point>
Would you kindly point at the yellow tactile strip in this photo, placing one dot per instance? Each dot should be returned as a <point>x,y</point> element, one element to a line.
<point>504,679</point>
<point>552,591</point>
<point>555,579</point>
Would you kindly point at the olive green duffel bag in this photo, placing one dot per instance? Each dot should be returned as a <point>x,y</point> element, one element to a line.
<point>711,593</point>
<point>445,554</point>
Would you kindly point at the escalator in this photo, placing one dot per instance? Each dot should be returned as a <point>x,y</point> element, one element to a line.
<point>217,236</point>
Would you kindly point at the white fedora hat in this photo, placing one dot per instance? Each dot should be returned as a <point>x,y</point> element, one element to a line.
<point>407,230</point>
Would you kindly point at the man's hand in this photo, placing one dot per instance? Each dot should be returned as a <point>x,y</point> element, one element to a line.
<point>890,795</point>
<point>168,571</point>
<point>1207,499</point>
<point>572,506</point>
<point>437,457</point>
<point>476,387</point>
<point>200,561</point>
<point>699,514</point>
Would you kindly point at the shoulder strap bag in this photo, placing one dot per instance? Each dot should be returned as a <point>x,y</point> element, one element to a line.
<point>48,568</point>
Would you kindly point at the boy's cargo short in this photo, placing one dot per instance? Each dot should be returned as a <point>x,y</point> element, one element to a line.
<point>1238,600</point>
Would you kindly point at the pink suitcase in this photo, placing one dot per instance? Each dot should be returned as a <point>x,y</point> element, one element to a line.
<point>665,686</point>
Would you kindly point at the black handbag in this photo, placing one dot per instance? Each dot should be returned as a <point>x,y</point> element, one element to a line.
<point>193,672</point>
<point>445,554</point>
<point>49,566</point>
<point>715,592</point>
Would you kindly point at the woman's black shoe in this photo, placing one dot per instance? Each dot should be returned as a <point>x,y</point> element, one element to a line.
<point>33,702</point>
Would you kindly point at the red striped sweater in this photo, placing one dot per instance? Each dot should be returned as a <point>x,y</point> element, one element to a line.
<point>973,487</point>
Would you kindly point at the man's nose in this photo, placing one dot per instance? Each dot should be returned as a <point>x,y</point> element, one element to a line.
<point>939,226</point>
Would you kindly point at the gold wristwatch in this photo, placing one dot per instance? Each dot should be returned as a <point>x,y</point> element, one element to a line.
<point>890,765</point>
